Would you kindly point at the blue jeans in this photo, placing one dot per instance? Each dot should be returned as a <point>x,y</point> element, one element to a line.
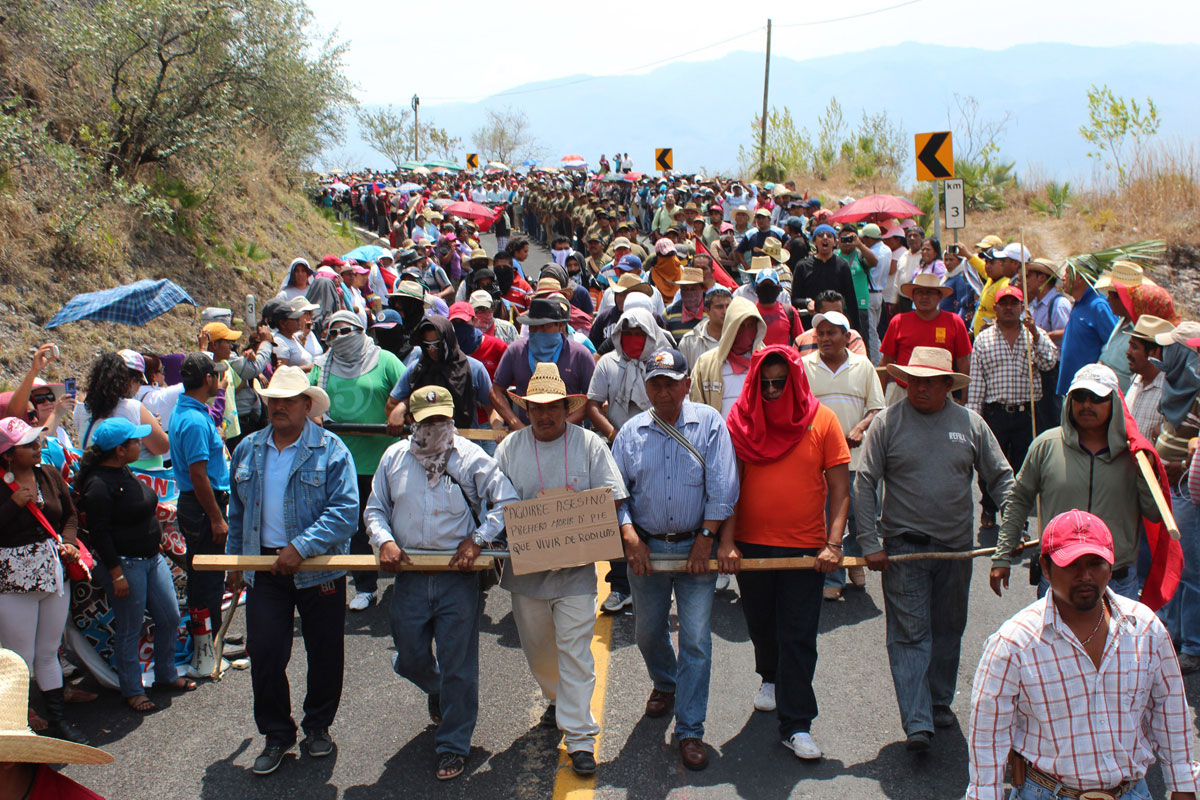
<point>686,674</point>
<point>850,546</point>
<point>441,608</point>
<point>1031,791</point>
<point>1182,614</point>
<point>152,589</point>
<point>926,603</point>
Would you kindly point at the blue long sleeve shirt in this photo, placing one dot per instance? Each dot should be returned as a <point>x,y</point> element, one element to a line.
<point>1091,323</point>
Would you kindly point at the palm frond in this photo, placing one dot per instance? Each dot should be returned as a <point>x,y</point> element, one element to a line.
<point>1148,254</point>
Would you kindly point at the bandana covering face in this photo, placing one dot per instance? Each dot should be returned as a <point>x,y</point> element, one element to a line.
<point>432,443</point>
<point>693,307</point>
<point>765,432</point>
<point>544,347</point>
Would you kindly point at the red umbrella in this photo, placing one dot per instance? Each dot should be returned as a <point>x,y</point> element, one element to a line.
<point>573,157</point>
<point>633,176</point>
<point>876,208</point>
<point>469,210</point>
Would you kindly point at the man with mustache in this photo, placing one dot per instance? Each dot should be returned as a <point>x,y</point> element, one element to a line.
<point>1086,463</point>
<point>1081,690</point>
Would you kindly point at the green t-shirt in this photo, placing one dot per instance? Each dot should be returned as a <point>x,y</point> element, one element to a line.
<point>862,287</point>
<point>363,399</point>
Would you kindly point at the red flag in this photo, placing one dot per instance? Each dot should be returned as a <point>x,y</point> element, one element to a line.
<point>719,273</point>
<point>1167,555</point>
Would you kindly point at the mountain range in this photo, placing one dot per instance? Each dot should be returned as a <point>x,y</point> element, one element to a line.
<point>704,109</point>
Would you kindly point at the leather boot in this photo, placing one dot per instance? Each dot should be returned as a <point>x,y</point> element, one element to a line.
<point>56,716</point>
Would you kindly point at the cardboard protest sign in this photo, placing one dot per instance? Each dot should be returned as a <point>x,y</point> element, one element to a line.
<point>562,528</point>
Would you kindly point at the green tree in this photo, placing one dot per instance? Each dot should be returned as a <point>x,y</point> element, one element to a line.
<point>506,135</point>
<point>831,135</point>
<point>1117,128</point>
<point>389,131</point>
<point>788,147</point>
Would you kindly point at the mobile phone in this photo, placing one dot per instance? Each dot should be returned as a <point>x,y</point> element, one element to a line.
<point>69,386</point>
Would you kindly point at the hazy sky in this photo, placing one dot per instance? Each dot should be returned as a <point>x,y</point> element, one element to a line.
<point>473,48</point>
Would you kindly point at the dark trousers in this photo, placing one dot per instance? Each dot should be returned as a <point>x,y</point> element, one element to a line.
<point>1049,408</point>
<point>360,545</point>
<point>783,612</point>
<point>1014,433</point>
<point>618,576</point>
<point>270,608</point>
<point>204,588</point>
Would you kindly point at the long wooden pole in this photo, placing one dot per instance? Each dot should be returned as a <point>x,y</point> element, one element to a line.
<point>1164,508</point>
<point>762,132</point>
<point>1029,362</point>
<point>435,562</point>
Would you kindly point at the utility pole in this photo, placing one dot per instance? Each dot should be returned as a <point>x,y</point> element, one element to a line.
<point>416,101</point>
<point>762,135</point>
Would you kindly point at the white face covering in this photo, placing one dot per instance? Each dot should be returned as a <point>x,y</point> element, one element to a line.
<point>560,257</point>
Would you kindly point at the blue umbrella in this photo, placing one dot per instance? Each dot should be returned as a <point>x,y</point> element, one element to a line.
<point>529,162</point>
<point>404,188</point>
<point>366,252</point>
<point>135,304</point>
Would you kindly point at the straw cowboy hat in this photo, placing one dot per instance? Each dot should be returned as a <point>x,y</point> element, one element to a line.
<point>691,276</point>
<point>1124,273</point>
<point>292,382</point>
<point>17,742</point>
<point>925,280</point>
<point>631,283</point>
<point>759,263</point>
<point>546,386</point>
<point>1149,327</point>
<point>773,249</point>
<point>929,362</point>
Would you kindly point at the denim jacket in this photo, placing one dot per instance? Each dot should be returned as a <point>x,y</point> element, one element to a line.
<point>321,501</point>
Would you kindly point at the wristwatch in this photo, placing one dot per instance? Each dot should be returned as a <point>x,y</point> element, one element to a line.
<point>478,539</point>
<point>707,534</point>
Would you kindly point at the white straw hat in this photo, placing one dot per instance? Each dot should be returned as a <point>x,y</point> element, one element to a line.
<point>292,382</point>
<point>17,742</point>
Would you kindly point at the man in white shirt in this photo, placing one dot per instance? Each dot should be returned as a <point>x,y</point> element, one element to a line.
<point>881,274</point>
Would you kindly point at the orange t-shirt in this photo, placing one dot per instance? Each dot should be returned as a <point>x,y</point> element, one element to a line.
<point>783,504</point>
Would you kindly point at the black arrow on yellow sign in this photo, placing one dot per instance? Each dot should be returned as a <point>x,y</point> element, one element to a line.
<point>662,157</point>
<point>928,156</point>
<point>472,161</point>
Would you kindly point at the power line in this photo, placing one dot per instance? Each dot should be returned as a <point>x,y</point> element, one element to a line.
<point>852,16</point>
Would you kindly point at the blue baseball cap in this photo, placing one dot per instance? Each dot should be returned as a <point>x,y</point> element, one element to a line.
<point>764,275</point>
<point>388,319</point>
<point>115,431</point>
<point>824,229</point>
<point>629,263</point>
<point>812,202</point>
<point>669,362</point>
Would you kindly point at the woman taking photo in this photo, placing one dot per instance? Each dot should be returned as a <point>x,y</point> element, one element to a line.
<point>37,534</point>
<point>120,512</point>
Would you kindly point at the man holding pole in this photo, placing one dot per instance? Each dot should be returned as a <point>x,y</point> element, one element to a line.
<point>1085,463</point>
<point>678,464</point>
<point>428,493</point>
<point>555,610</point>
<point>295,496</point>
<point>1001,390</point>
<point>925,449</point>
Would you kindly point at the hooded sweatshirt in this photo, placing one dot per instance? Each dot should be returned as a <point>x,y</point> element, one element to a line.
<point>1067,477</point>
<point>707,382</point>
<point>620,379</point>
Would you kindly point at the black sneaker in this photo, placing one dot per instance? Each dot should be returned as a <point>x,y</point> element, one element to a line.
<point>269,759</point>
<point>318,743</point>
<point>918,741</point>
<point>583,762</point>
<point>550,717</point>
<point>943,717</point>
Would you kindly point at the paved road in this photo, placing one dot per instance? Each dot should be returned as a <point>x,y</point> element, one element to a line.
<point>202,744</point>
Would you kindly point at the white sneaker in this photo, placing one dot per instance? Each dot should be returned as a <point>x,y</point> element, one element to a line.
<point>722,582</point>
<point>615,602</point>
<point>803,746</point>
<point>362,601</point>
<point>765,699</point>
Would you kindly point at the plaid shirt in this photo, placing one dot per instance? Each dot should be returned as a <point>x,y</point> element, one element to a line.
<point>1000,371</point>
<point>1037,692</point>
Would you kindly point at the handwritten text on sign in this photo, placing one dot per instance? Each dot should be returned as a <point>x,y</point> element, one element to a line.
<point>562,529</point>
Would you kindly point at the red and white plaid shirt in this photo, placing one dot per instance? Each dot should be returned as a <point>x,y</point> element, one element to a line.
<point>1000,371</point>
<point>1037,691</point>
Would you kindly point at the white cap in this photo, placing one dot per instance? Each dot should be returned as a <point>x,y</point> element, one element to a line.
<point>1014,250</point>
<point>833,318</point>
<point>1095,378</point>
<point>480,298</point>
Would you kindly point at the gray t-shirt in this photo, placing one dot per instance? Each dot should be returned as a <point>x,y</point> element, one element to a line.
<point>606,380</point>
<point>588,464</point>
<point>927,465</point>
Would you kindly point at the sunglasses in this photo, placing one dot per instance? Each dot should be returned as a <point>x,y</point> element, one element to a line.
<point>336,332</point>
<point>1084,396</point>
<point>38,399</point>
<point>773,383</point>
<point>435,345</point>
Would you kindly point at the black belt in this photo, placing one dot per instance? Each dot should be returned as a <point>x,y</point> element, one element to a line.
<point>1010,408</point>
<point>669,538</point>
<point>221,497</point>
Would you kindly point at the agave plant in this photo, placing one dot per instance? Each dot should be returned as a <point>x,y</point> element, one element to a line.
<point>1147,254</point>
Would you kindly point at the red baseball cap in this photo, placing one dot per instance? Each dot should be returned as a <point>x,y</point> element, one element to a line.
<point>461,310</point>
<point>1009,291</point>
<point>1076,533</point>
